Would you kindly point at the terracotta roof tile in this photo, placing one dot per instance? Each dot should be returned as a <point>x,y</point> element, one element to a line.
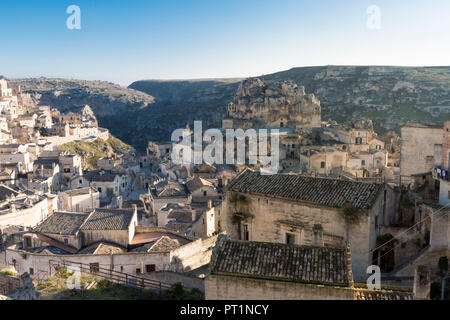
<point>276,261</point>
<point>323,191</point>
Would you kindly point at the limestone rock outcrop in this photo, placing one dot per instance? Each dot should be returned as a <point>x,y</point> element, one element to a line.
<point>259,104</point>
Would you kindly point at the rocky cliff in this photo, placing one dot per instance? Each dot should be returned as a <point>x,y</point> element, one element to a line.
<point>273,104</point>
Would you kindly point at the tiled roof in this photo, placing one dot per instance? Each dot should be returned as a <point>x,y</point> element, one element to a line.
<point>46,162</point>
<point>6,192</point>
<point>167,189</point>
<point>323,191</point>
<point>79,192</point>
<point>164,244</point>
<point>382,294</point>
<point>100,175</point>
<point>67,223</point>
<point>108,219</point>
<point>102,248</point>
<point>276,261</point>
<point>197,183</point>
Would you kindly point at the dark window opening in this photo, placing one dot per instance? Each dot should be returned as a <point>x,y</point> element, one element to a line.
<point>94,267</point>
<point>246,233</point>
<point>150,268</point>
<point>290,238</point>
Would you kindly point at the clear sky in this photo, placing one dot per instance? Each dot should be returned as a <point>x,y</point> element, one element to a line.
<point>127,40</point>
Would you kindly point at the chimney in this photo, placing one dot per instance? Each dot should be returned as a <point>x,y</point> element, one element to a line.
<point>134,208</point>
<point>422,283</point>
<point>210,204</point>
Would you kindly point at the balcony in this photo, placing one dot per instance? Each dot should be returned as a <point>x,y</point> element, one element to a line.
<point>441,173</point>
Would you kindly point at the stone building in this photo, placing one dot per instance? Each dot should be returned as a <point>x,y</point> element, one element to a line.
<point>109,239</point>
<point>167,192</point>
<point>441,171</point>
<point>259,104</point>
<point>18,208</point>
<point>109,184</point>
<point>202,190</point>
<point>421,150</point>
<point>360,132</point>
<point>79,200</point>
<point>288,208</point>
<point>323,161</point>
<point>242,270</point>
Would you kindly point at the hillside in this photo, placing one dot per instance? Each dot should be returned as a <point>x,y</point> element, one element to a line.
<point>390,96</point>
<point>92,151</point>
<point>152,109</point>
<point>113,105</point>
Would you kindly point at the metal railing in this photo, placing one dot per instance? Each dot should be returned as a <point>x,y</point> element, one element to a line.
<point>110,275</point>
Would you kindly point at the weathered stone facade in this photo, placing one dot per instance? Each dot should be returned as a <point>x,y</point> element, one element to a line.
<point>272,105</point>
<point>280,220</point>
<point>421,150</point>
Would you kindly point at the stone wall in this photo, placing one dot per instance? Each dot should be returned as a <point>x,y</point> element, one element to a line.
<point>193,255</point>
<point>30,217</point>
<point>18,288</point>
<point>421,149</point>
<point>231,288</point>
<point>188,282</point>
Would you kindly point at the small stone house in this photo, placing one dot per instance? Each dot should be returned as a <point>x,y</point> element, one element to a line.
<point>241,270</point>
<point>303,210</point>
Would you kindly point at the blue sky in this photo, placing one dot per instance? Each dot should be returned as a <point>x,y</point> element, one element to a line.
<point>124,41</point>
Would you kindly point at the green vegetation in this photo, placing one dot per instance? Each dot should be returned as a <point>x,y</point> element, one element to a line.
<point>55,288</point>
<point>42,131</point>
<point>92,151</point>
<point>241,216</point>
<point>238,198</point>
<point>177,292</point>
<point>351,214</point>
<point>7,272</point>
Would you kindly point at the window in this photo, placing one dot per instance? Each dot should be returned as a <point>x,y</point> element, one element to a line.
<point>31,271</point>
<point>94,267</point>
<point>80,181</point>
<point>322,164</point>
<point>363,162</point>
<point>290,238</point>
<point>121,268</point>
<point>246,233</point>
<point>204,193</point>
<point>138,270</point>
<point>150,268</point>
<point>99,189</point>
<point>28,242</point>
<point>66,242</point>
